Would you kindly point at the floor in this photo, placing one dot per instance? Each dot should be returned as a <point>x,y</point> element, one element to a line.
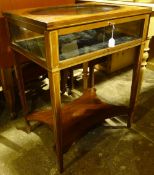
<point>109,149</point>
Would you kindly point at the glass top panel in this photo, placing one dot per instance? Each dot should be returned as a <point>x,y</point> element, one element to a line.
<point>75,10</point>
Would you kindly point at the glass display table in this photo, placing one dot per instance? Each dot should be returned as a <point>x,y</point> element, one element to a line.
<point>61,37</point>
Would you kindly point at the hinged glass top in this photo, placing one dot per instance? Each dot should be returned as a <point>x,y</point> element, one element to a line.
<point>74,10</point>
<point>50,18</point>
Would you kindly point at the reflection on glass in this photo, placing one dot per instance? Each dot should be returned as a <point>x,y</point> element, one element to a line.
<point>80,43</point>
<point>28,40</point>
<point>74,10</point>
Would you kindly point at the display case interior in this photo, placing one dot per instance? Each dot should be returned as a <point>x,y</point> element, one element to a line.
<point>87,41</point>
<point>77,43</point>
<point>28,40</point>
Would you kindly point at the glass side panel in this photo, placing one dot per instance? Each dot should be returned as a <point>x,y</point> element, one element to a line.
<point>80,43</point>
<point>28,40</point>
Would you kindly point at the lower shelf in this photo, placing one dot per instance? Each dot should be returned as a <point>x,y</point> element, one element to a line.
<point>79,116</point>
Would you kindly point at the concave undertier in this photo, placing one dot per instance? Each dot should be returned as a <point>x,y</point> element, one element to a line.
<point>79,116</point>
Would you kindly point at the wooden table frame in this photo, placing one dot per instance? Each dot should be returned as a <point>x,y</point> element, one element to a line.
<point>54,66</point>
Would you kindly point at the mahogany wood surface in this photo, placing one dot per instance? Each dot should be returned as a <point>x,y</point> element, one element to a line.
<point>18,4</point>
<point>79,116</point>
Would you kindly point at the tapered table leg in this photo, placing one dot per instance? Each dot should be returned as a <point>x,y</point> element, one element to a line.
<point>134,86</point>
<point>54,83</point>
<point>138,75</point>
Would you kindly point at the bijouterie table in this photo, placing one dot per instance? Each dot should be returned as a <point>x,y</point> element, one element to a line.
<point>65,36</point>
